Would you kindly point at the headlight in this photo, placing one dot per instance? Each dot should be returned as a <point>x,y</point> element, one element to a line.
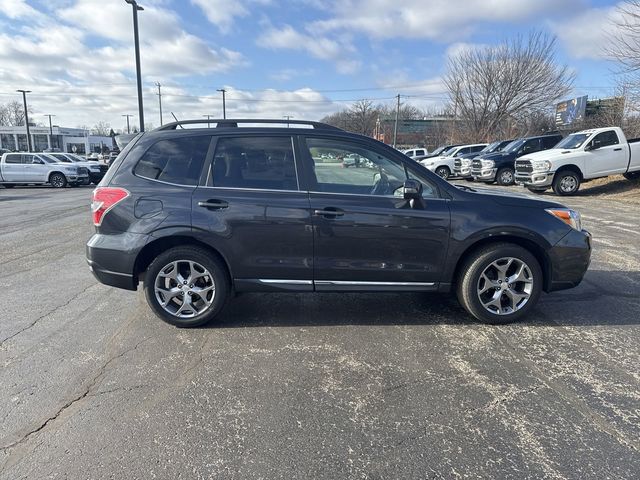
<point>568,216</point>
<point>70,169</point>
<point>488,164</point>
<point>541,165</point>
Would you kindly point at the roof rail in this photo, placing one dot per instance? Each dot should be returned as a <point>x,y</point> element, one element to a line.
<point>233,123</point>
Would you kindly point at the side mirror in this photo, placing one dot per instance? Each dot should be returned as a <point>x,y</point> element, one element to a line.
<point>412,189</point>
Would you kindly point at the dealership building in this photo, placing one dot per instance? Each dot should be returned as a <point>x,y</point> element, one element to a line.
<point>71,140</point>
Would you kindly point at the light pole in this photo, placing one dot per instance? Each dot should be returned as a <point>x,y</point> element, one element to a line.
<point>159,100</point>
<point>224,106</point>
<point>128,115</point>
<point>208,118</point>
<point>136,7</point>
<point>288,117</point>
<point>50,130</point>
<point>26,116</point>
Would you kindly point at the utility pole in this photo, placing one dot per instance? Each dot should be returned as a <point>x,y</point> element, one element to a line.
<point>128,129</point>
<point>136,42</point>
<point>288,117</point>
<point>224,106</point>
<point>26,116</point>
<point>208,118</point>
<point>395,126</point>
<point>159,100</point>
<point>50,129</point>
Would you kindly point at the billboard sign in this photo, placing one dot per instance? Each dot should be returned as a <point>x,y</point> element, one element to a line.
<point>571,111</point>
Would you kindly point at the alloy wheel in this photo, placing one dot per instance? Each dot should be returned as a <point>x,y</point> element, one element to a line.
<point>568,184</point>
<point>184,288</point>
<point>505,286</point>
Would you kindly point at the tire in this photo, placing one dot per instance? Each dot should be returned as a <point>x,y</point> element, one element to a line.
<point>443,172</point>
<point>631,175</point>
<point>200,313</point>
<point>537,191</point>
<point>58,180</point>
<point>566,182</point>
<point>505,176</point>
<point>471,282</point>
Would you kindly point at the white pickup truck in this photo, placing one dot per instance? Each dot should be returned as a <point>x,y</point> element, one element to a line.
<point>580,157</point>
<point>39,168</point>
<point>444,164</point>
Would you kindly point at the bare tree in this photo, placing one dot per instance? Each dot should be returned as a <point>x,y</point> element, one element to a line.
<point>101,128</point>
<point>625,41</point>
<point>493,87</point>
<point>12,114</point>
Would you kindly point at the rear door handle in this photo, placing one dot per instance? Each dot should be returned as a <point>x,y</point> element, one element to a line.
<point>214,204</point>
<point>328,212</point>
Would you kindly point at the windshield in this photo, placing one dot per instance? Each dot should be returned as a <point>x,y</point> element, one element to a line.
<point>47,158</point>
<point>574,140</point>
<point>59,157</point>
<point>447,151</point>
<point>514,146</point>
<point>490,148</point>
<point>438,151</point>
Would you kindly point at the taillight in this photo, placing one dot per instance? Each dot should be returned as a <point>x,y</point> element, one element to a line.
<point>104,199</point>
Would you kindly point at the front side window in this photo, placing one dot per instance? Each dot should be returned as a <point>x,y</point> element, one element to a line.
<point>265,163</point>
<point>349,168</point>
<point>178,160</point>
<point>605,139</point>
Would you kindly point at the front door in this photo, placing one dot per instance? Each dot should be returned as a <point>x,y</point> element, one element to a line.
<point>609,158</point>
<point>366,235</point>
<point>252,210</point>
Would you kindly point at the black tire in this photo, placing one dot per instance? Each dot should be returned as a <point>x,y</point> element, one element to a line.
<point>566,182</point>
<point>469,280</point>
<point>505,176</point>
<point>537,191</point>
<point>58,180</point>
<point>631,175</point>
<point>443,172</point>
<point>211,263</point>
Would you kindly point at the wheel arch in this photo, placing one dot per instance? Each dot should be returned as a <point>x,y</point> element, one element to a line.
<point>152,249</point>
<point>54,172</point>
<point>535,249</point>
<point>571,167</point>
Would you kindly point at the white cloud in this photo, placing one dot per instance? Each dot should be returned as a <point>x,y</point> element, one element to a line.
<point>335,50</point>
<point>222,13</point>
<point>17,9</point>
<point>442,20</point>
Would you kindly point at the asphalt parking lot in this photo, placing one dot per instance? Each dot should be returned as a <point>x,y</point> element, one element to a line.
<point>310,386</point>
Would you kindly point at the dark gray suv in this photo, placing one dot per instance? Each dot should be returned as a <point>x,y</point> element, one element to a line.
<point>200,213</point>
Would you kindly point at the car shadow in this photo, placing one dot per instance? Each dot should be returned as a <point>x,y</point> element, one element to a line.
<point>603,298</point>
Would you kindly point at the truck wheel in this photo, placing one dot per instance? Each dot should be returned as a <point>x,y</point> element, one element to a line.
<point>500,283</point>
<point>566,182</point>
<point>538,191</point>
<point>186,286</point>
<point>58,180</point>
<point>443,172</point>
<point>505,176</point>
<point>631,175</point>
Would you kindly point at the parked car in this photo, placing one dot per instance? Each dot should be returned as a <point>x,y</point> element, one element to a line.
<point>186,211</point>
<point>462,164</point>
<point>39,168</point>
<point>437,152</point>
<point>416,152</point>
<point>500,167</point>
<point>580,157</point>
<point>96,170</point>
<point>444,164</point>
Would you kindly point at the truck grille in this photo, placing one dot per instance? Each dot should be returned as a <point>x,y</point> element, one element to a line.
<point>82,171</point>
<point>476,166</point>
<point>103,168</point>
<point>457,164</point>
<point>523,166</point>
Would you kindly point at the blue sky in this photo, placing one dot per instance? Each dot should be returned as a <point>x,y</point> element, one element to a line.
<point>304,58</point>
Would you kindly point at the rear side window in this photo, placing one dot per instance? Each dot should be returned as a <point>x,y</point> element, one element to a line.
<point>265,163</point>
<point>177,160</point>
<point>13,158</point>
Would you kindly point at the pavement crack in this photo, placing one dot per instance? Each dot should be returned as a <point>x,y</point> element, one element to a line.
<point>45,315</point>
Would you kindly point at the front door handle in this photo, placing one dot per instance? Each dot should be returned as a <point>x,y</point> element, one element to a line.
<point>214,204</point>
<point>617,149</point>
<point>328,212</point>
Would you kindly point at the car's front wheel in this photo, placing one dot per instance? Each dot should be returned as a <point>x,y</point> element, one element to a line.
<point>505,176</point>
<point>186,286</point>
<point>566,182</point>
<point>500,283</point>
<point>58,180</point>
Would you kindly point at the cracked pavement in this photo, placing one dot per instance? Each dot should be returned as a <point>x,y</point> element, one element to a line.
<point>310,386</point>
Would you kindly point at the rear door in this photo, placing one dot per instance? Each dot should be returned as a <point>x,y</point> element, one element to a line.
<point>251,208</point>
<point>609,157</point>
<point>366,236</point>
<point>13,169</point>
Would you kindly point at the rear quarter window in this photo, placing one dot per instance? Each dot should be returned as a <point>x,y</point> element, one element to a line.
<point>176,160</point>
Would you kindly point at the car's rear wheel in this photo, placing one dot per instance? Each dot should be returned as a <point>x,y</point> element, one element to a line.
<point>58,180</point>
<point>566,182</point>
<point>505,176</point>
<point>186,286</point>
<point>631,175</point>
<point>443,172</point>
<point>500,283</point>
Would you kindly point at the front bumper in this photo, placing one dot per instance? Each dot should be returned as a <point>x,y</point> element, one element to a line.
<point>484,175</point>
<point>95,177</point>
<point>77,178</point>
<point>569,260</point>
<point>534,179</point>
<point>112,258</point>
